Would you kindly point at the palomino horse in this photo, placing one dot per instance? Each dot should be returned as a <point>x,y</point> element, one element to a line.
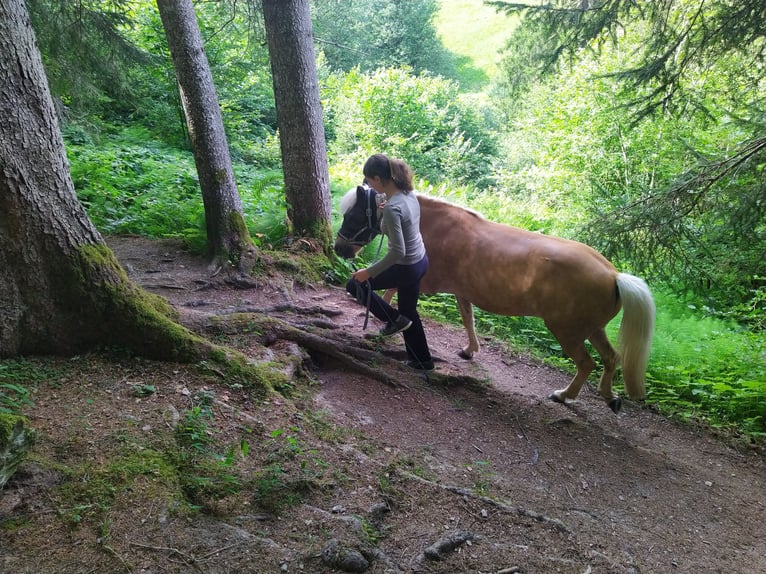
<point>511,271</point>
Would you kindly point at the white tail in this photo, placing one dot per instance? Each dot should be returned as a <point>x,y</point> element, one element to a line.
<point>636,331</point>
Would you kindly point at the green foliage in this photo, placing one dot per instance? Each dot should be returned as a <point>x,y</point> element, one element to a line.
<point>85,51</point>
<point>419,118</point>
<point>707,369</point>
<point>17,377</point>
<point>131,183</point>
<point>372,34</point>
<point>290,471</point>
<point>205,476</point>
<point>665,196</point>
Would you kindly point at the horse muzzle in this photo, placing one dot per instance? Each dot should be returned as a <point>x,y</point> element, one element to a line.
<point>345,249</point>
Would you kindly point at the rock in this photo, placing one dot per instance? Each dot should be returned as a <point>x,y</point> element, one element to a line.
<point>16,440</point>
<point>336,555</point>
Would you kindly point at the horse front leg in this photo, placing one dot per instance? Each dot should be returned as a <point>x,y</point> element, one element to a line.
<point>466,315</point>
<point>389,294</point>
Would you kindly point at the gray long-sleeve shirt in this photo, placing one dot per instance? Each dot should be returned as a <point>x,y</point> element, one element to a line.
<point>401,225</point>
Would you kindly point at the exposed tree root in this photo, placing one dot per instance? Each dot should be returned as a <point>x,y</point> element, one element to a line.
<point>321,339</point>
<point>439,549</point>
<point>560,526</point>
<point>333,344</point>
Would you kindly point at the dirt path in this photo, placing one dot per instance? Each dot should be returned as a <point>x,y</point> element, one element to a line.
<point>479,478</point>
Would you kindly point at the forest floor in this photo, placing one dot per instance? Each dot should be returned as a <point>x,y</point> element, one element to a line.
<point>477,472</point>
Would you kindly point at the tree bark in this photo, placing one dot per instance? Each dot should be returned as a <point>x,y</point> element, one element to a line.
<point>62,291</point>
<point>228,239</point>
<point>299,116</point>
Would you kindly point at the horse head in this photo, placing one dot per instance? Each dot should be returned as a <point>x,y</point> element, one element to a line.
<point>361,220</point>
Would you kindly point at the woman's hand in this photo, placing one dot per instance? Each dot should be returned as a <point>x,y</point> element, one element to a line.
<point>362,275</point>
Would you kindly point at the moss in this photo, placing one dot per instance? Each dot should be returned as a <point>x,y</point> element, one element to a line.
<point>7,424</point>
<point>89,490</point>
<point>235,369</point>
<point>144,323</point>
<point>305,268</point>
<point>221,176</point>
<point>239,225</point>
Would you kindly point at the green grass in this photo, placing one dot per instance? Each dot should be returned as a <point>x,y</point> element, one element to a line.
<point>476,33</point>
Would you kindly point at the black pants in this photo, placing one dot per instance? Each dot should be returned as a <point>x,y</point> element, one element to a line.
<point>406,279</point>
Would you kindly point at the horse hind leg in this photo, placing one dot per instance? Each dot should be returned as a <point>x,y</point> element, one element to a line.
<point>609,358</point>
<point>585,365</point>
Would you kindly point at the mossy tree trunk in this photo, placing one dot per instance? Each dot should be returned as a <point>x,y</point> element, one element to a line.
<point>227,236</point>
<point>62,290</point>
<point>299,115</point>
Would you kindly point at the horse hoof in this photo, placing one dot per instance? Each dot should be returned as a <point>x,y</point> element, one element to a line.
<point>615,404</point>
<point>556,398</point>
<point>463,355</point>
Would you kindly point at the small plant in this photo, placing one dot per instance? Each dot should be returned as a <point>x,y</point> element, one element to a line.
<point>143,390</point>
<point>205,475</point>
<point>482,483</point>
<point>15,379</point>
<point>292,470</point>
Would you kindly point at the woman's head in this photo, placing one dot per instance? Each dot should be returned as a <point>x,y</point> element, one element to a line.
<point>388,169</point>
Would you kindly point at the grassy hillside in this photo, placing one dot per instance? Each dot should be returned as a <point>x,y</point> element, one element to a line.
<point>476,33</point>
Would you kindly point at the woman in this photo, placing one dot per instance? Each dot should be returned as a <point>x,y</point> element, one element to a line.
<point>405,262</point>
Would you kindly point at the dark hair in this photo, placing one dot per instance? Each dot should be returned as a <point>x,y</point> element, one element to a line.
<point>388,168</point>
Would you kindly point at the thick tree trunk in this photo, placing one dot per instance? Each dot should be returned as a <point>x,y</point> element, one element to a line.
<point>227,236</point>
<point>61,289</point>
<point>299,115</point>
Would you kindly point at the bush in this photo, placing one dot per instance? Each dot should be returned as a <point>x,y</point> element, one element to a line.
<point>419,118</point>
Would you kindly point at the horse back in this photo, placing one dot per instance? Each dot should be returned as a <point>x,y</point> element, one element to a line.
<point>511,271</point>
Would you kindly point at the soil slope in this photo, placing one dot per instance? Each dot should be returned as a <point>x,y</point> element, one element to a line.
<point>482,474</point>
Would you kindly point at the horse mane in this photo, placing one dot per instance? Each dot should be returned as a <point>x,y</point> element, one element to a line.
<point>347,201</point>
<point>439,200</point>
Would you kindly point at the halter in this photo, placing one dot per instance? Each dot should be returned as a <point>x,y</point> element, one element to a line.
<point>371,226</point>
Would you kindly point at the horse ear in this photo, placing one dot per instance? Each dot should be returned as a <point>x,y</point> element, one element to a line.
<point>361,193</point>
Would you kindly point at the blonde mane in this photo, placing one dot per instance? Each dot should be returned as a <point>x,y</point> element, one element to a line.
<point>347,201</point>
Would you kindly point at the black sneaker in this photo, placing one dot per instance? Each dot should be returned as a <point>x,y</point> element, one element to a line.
<point>401,323</point>
<point>421,365</point>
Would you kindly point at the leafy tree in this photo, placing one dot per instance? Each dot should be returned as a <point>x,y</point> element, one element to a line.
<point>697,66</point>
<point>299,114</point>
<point>417,117</point>
<point>370,34</point>
<point>86,51</point>
<point>228,239</point>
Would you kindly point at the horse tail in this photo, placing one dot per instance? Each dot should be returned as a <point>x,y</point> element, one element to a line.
<point>636,330</point>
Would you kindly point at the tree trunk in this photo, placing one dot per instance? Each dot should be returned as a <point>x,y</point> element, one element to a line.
<point>228,239</point>
<point>62,290</point>
<point>299,116</point>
